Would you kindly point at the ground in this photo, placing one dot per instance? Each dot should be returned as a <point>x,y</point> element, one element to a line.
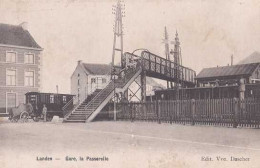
<point>127,145</point>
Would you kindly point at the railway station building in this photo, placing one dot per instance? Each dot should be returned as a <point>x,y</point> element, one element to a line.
<point>20,65</point>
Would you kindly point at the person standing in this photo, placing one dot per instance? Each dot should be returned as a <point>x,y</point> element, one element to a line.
<point>44,112</point>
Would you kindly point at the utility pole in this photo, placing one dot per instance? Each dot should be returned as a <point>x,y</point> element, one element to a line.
<point>118,11</point>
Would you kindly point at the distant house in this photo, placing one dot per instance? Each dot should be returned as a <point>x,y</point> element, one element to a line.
<point>19,65</point>
<point>229,75</point>
<point>86,78</point>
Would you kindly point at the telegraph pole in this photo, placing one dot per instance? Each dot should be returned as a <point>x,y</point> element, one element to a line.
<point>118,11</point>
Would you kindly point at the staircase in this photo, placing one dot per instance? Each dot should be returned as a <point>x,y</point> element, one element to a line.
<point>87,110</point>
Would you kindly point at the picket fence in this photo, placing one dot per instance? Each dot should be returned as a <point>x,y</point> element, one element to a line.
<point>222,112</point>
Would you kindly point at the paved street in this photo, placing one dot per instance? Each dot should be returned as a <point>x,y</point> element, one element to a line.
<point>126,144</point>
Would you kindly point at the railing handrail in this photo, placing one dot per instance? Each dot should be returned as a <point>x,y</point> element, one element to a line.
<point>77,105</point>
<point>186,73</point>
<point>104,89</point>
<point>67,104</point>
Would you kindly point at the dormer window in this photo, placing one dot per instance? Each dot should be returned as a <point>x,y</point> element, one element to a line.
<point>10,56</point>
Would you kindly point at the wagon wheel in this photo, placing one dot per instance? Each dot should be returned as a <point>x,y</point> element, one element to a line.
<point>24,116</point>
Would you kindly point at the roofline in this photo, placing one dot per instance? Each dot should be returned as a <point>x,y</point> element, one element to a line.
<point>227,76</point>
<point>89,72</point>
<point>231,65</point>
<point>50,93</point>
<point>82,67</point>
<point>21,47</point>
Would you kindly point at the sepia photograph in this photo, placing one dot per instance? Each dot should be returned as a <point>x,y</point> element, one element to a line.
<point>129,84</point>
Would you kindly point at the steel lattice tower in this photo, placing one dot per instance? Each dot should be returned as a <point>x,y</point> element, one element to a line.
<point>167,50</point>
<point>118,11</point>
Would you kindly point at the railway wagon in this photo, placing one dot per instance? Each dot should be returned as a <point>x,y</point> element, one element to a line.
<point>57,104</point>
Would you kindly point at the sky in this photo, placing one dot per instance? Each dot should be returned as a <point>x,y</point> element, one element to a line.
<point>71,30</point>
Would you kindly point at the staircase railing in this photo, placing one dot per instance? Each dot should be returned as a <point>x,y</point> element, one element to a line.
<point>125,78</point>
<point>94,98</point>
<point>67,108</point>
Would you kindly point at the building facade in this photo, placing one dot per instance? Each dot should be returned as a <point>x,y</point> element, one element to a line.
<point>20,65</point>
<point>86,78</point>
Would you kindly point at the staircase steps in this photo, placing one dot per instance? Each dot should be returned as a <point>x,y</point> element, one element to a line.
<point>95,102</point>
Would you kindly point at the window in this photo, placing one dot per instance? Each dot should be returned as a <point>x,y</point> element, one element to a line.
<point>29,58</point>
<point>51,98</point>
<point>64,99</point>
<point>29,78</point>
<point>104,80</point>
<point>10,57</point>
<point>93,80</point>
<point>11,77</point>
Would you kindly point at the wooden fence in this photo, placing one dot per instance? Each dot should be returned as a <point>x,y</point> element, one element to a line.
<point>222,112</point>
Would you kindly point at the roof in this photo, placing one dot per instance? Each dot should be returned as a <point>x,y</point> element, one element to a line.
<point>97,69</point>
<point>17,36</point>
<point>41,93</point>
<point>252,58</point>
<point>235,70</point>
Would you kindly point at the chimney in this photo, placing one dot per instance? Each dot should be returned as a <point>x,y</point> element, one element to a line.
<point>79,62</point>
<point>24,25</point>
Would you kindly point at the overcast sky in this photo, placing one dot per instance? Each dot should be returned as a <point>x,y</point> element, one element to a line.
<point>71,30</point>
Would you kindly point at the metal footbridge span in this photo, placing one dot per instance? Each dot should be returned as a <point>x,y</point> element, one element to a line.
<point>132,66</point>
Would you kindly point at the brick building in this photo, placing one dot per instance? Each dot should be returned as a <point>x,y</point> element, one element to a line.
<point>20,65</point>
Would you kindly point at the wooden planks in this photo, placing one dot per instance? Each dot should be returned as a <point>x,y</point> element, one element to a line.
<point>212,112</point>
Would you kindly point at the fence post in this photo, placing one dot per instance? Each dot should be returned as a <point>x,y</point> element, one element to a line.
<point>235,112</point>
<point>159,111</point>
<point>170,110</point>
<point>193,111</point>
<point>131,111</point>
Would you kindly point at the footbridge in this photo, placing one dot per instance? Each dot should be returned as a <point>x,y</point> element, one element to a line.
<point>132,66</point>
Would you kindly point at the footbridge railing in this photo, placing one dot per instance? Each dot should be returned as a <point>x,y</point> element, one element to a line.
<point>161,68</point>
